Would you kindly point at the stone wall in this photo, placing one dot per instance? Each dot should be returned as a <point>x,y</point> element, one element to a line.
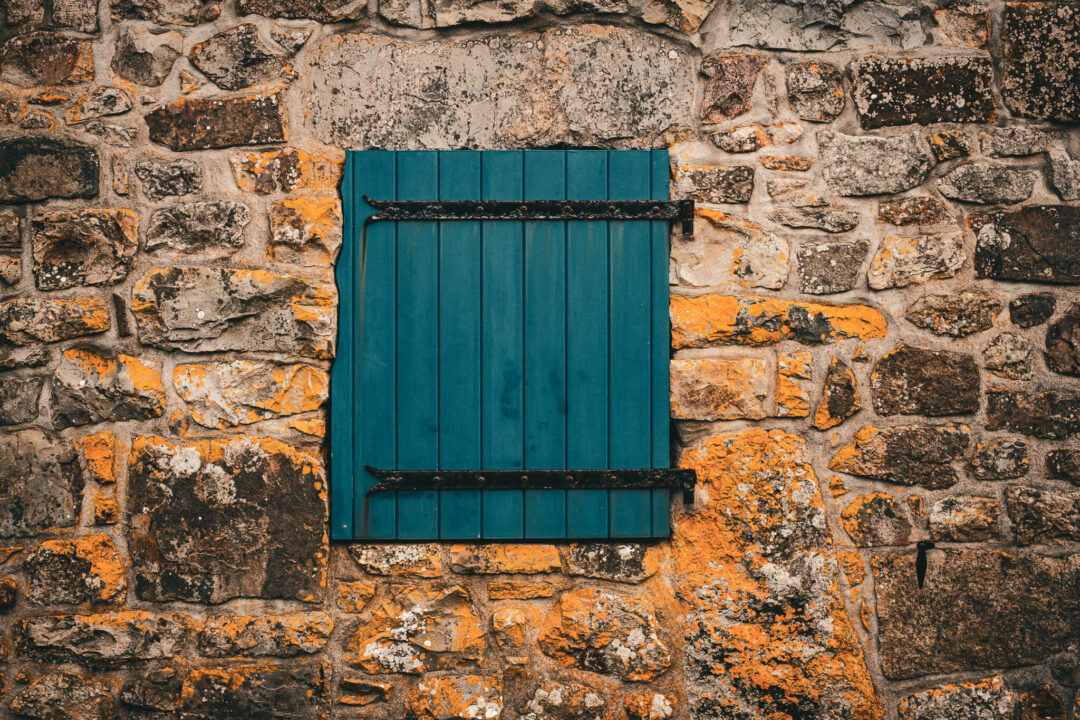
<point>876,342</point>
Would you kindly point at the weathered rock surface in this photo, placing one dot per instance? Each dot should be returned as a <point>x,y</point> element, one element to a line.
<point>924,90</point>
<point>957,314</point>
<point>817,216</point>
<point>1000,460</point>
<point>628,563</point>
<point>714,183</point>
<point>876,519</point>
<point>1042,54</point>
<point>729,85</point>
<point>1040,243</point>
<point>27,321</point>
<point>914,381</point>
<point>823,26</point>
<point>857,166</point>
<point>964,519</point>
<point>287,170</point>
<point>163,178</point>
<point>964,24</point>
<point>417,630</point>
<point>286,635</point>
<point>291,39</point>
<point>1051,414</point>
<point>46,58</point>
<point>719,389</point>
<point>727,250</point>
<point>259,509</point>
<point>606,633</point>
<point>839,396</point>
<point>830,266</point>
<point>949,144</point>
<point>746,138</point>
<point>1029,608</point>
<point>325,11</point>
<point>1063,343</point>
<point>222,395</point>
<point>371,91</point>
<point>65,696</point>
<point>179,12</point>
<point>815,90</point>
<point>906,454</point>
<point>104,640</point>
<point>90,386</point>
<point>712,319</point>
<point>79,15</point>
<point>41,486</point>
<point>38,167</point>
<point>201,309</point>
<point>556,701</point>
<point>456,697</point>
<point>298,689</point>
<point>794,384</point>
<point>1064,175</point>
<point>208,229</point>
<point>10,249</point>
<point>1008,356</point>
<point>500,558</point>
<point>411,560</point>
<point>1015,141</point>
<point>1064,463</point>
<point>235,59</point>
<point>984,700</point>
<point>761,541</point>
<point>82,570</point>
<point>204,123</point>
<point>1043,517</point>
<point>1031,309</point>
<point>102,102</point>
<point>903,261</point>
<point>305,231</point>
<point>144,57</point>
<point>83,247</point>
<point>786,163</point>
<point>987,183</point>
<point>19,400</point>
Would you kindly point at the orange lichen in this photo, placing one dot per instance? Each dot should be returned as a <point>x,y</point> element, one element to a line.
<point>518,590</point>
<point>99,452</point>
<point>853,567</point>
<point>793,396</point>
<point>288,169</point>
<point>505,558</point>
<point>353,596</point>
<point>508,625</point>
<point>105,564</point>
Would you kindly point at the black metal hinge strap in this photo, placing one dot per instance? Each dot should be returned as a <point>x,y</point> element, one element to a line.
<point>652,478</point>
<point>526,210</point>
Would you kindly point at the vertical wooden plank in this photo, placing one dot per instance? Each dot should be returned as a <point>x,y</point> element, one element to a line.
<point>587,344</point>
<point>503,356</point>
<point>343,460</point>
<point>374,374</point>
<point>661,343</point>
<point>459,346</point>
<point>417,345</point>
<point>545,344</point>
<point>630,337</point>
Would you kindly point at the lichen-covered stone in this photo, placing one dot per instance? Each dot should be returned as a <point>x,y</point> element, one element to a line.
<point>867,165</point>
<point>564,701</point>
<point>815,90</point>
<point>648,705</point>
<point>761,541</point>
<point>222,395</point>
<point>1014,141</point>
<point>714,183</point>
<point>324,11</point>
<point>1001,460</point>
<point>784,185</point>
<point>89,386</point>
<point>203,309</point>
<point>949,144</point>
<point>206,229</point>
<point>602,632</point>
<point>1044,517</point>
<point>819,216</point>
<point>1042,55</point>
<point>41,167</point>
<point>235,59</point>
<point>964,519</point>
<point>629,563</point>
<point>914,381</point>
<point>27,321</point>
<point>1049,414</point>
<point>727,250</point>
<point>46,58</point>
<point>305,231</point>
<point>83,247</point>
<point>259,509</point>
<point>19,400</point>
<point>79,15</point>
<point>921,210</point>
<point>957,314</point>
<point>65,696</point>
<point>9,594</point>
<point>144,57</point>
<point>830,266</point>
<point>685,16</point>
<point>353,596</point>
<point>787,163</point>
<point>82,570</point>
<point>906,454</point>
<point>163,178</point>
<point>501,558</point>
<point>876,519</point>
<point>456,697</point>
<point>924,90</point>
<point>903,261</point>
<point>1063,343</point>
<point>519,590</point>
<point>509,625</point>
<point>1064,463</point>
<point>823,26</point>
<point>522,90</point>
<point>275,691</point>
<point>287,170</point>
<point>746,138</point>
<point>106,639</point>
<point>286,635</point>
<point>417,630</point>
<point>983,700</point>
<point>1038,243</point>
<point>102,102</point>
<point>794,383</point>
<point>358,691</point>
<point>166,12</point>
<point>1028,608</point>
<point>839,396</point>
<point>704,320</point>
<point>1064,175</point>
<point>964,24</point>
<point>156,687</point>
<point>987,183</point>
<point>205,123</point>
<point>411,560</point>
<point>15,358</point>
<point>1031,309</point>
<point>729,85</point>
<point>719,388</point>
<point>289,38</point>
<point>10,249</point>
<point>41,485</point>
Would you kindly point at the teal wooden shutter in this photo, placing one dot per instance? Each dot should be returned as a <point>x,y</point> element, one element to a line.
<point>500,345</point>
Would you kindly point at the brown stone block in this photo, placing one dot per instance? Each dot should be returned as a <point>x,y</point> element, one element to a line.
<point>202,124</point>
<point>900,91</point>
<point>70,572</point>
<point>83,247</point>
<point>46,58</point>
